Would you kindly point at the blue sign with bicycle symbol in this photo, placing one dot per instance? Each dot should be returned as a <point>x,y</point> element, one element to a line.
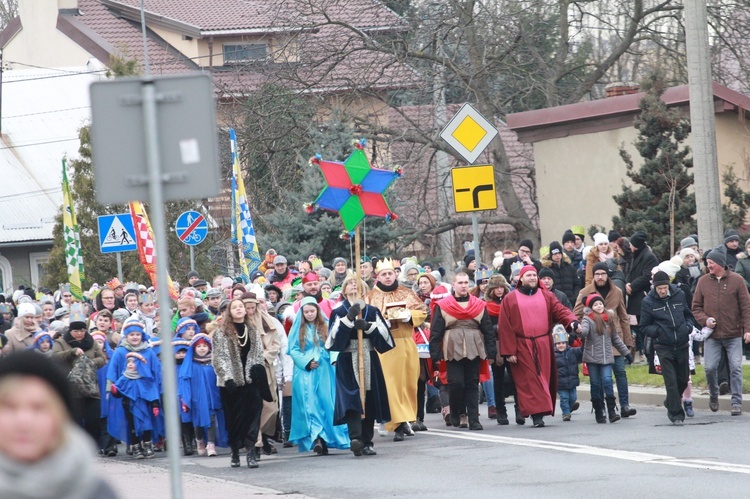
<point>191,228</point>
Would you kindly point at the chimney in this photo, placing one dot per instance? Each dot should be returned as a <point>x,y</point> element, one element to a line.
<point>68,7</point>
<point>621,88</point>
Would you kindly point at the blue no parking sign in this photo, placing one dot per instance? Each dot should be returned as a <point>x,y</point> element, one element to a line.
<point>191,228</point>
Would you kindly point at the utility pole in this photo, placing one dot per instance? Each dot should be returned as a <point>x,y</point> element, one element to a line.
<point>703,125</point>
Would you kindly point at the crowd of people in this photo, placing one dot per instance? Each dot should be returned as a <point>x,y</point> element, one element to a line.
<point>315,357</point>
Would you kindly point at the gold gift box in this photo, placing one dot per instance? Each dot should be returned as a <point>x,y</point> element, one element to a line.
<point>396,311</point>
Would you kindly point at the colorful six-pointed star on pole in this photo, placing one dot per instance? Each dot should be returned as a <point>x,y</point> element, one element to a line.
<point>354,189</point>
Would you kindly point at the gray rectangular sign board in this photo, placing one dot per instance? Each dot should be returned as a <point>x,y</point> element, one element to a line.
<point>187,138</point>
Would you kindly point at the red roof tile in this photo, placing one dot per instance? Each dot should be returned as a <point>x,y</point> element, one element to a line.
<point>223,15</point>
<point>610,106</point>
<point>96,27</point>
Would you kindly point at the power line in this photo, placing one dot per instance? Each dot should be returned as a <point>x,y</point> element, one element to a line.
<point>30,194</point>
<point>46,112</point>
<point>39,143</point>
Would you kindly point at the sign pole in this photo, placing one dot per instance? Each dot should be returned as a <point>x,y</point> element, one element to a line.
<point>192,259</point>
<point>475,229</point>
<point>156,199</point>
<point>119,266</point>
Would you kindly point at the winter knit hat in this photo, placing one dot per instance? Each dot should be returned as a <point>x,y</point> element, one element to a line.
<point>593,298</point>
<point>660,278</point>
<point>546,272</point>
<point>600,238</point>
<point>731,235</point>
<point>469,257</point>
<point>613,236</point>
<point>688,242</point>
<point>527,243</point>
<point>338,259</point>
<point>638,239</point>
<point>568,236</point>
<point>555,248</point>
<point>718,257</point>
<point>26,309</point>
<point>598,266</point>
<point>524,269</point>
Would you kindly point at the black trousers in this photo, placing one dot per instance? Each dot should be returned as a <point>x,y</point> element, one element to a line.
<point>463,388</point>
<point>359,428</point>
<point>504,386</point>
<point>675,368</point>
<point>242,414</point>
<point>106,441</point>
<point>133,438</point>
<point>90,412</point>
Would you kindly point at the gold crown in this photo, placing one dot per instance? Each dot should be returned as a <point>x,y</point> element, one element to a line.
<point>384,264</point>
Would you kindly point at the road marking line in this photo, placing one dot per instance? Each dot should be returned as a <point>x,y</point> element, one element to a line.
<point>640,457</point>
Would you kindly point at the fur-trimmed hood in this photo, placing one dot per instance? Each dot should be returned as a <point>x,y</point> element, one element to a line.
<point>547,260</point>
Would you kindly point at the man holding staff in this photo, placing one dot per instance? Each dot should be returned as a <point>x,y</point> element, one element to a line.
<point>355,331</point>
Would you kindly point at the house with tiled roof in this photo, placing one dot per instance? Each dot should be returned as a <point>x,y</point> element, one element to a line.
<point>577,159</point>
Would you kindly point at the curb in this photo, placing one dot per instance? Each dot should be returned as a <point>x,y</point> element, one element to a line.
<point>641,395</point>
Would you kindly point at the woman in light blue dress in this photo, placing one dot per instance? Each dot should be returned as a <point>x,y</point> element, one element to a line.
<point>313,383</point>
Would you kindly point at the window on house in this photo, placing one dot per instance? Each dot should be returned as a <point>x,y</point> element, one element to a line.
<point>244,52</point>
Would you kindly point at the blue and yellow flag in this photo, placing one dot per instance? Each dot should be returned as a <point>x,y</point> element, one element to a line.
<point>243,232</point>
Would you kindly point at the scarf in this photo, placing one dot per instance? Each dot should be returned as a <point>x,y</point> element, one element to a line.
<point>67,473</point>
<point>527,291</point>
<point>387,289</point>
<point>205,359</point>
<point>131,374</point>
<point>85,344</point>
<point>141,346</point>
<point>452,307</point>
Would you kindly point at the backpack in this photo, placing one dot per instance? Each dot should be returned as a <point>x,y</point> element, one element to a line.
<point>83,378</point>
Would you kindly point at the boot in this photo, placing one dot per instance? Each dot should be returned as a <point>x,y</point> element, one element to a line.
<point>688,405</point>
<point>235,462</point>
<point>148,449</point>
<point>201,448</point>
<point>136,451</point>
<point>287,443</point>
<point>599,410</point>
<point>502,416</point>
<point>187,441</point>
<point>211,449</point>
<point>626,411</point>
<point>612,410</point>
<point>252,457</point>
<point>520,420</point>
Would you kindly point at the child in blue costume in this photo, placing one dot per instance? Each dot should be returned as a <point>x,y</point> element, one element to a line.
<point>199,396</point>
<point>121,420</point>
<point>185,330</point>
<point>107,443</point>
<point>42,343</point>
<point>313,383</point>
<point>180,348</point>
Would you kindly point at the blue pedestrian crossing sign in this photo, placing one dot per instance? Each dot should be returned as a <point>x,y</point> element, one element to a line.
<point>191,228</point>
<point>116,233</point>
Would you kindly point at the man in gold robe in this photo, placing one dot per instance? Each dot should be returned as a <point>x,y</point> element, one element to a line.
<point>404,311</point>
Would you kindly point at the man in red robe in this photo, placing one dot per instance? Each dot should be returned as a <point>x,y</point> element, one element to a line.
<point>527,316</point>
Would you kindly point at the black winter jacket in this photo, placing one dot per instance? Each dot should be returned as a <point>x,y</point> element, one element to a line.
<point>567,367</point>
<point>639,278</point>
<point>566,276</point>
<point>669,320</point>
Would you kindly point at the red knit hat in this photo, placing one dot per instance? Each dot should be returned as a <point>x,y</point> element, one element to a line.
<point>593,297</point>
<point>524,269</point>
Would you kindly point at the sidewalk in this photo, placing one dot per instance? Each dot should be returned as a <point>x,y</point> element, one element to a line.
<point>133,480</point>
<point>649,395</point>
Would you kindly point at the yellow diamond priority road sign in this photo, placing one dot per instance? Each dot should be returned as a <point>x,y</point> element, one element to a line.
<point>474,188</point>
<point>469,133</point>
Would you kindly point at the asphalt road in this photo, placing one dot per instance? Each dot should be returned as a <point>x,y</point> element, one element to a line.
<point>643,456</point>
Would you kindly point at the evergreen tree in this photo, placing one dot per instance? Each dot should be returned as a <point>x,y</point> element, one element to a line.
<point>734,211</point>
<point>658,201</point>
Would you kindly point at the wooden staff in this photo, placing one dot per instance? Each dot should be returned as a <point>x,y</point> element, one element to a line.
<point>360,334</point>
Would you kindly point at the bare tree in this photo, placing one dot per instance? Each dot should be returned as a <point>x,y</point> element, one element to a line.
<point>8,11</point>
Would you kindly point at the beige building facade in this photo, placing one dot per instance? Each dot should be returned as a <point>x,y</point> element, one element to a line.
<point>577,158</point>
